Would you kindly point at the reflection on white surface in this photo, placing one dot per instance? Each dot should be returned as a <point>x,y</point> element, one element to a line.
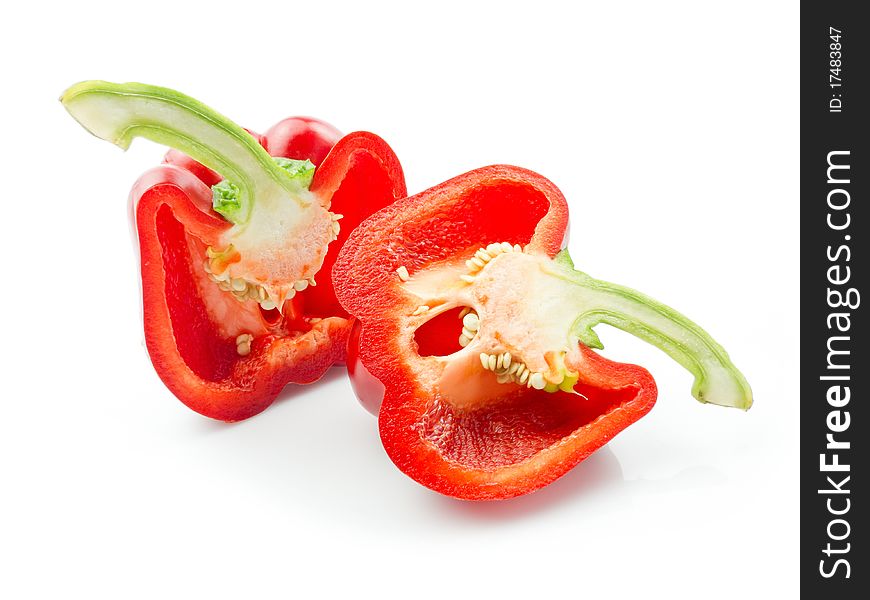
<point>317,440</point>
<point>596,475</point>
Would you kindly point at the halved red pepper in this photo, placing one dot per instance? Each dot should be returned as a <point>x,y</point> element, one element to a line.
<point>237,294</point>
<point>475,333</point>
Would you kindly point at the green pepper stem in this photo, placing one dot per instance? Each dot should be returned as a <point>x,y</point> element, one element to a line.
<point>717,380</point>
<point>120,112</point>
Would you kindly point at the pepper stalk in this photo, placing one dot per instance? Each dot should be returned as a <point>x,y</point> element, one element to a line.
<point>716,379</point>
<point>281,230</point>
<point>529,312</point>
<point>120,112</point>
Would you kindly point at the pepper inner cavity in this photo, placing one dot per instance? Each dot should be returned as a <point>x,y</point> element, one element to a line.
<point>277,251</point>
<point>438,334</point>
<point>520,331</point>
<point>217,266</point>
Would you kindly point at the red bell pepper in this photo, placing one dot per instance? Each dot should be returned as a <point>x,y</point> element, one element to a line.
<point>509,396</point>
<point>235,267</point>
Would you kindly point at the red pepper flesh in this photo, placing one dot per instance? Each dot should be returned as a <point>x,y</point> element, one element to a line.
<point>173,210</point>
<point>468,426</point>
<point>237,236</point>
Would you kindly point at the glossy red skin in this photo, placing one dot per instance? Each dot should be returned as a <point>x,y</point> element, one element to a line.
<point>495,450</point>
<point>368,389</point>
<point>301,136</point>
<point>172,205</point>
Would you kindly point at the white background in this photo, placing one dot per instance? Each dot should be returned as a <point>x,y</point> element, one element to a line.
<point>673,131</point>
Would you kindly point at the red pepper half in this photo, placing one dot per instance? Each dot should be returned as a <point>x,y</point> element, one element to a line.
<point>237,295</point>
<point>475,333</point>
